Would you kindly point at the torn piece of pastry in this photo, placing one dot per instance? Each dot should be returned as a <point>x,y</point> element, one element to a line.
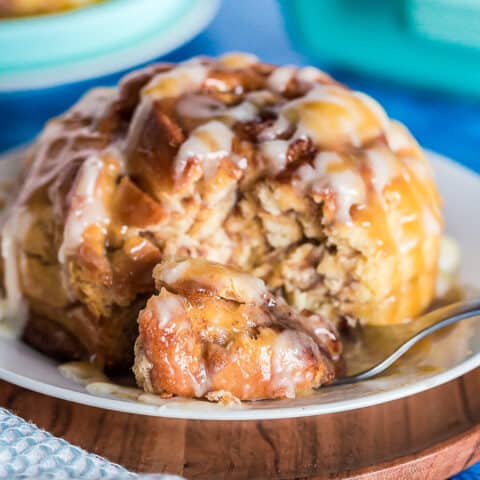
<point>213,331</point>
<point>279,171</point>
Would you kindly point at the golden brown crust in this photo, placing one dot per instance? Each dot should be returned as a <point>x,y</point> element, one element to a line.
<point>213,328</point>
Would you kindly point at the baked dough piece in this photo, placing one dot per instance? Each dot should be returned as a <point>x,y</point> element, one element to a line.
<point>279,171</point>
<point>14,8</point>
<point>213,330</point>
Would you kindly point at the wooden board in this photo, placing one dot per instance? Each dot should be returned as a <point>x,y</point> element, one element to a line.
<point>428,436</point>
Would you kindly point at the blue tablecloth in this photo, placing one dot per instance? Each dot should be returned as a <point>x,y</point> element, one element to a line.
<point>447,124</point>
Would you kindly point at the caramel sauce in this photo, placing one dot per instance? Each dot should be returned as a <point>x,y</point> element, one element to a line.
<point>96,383</point>
<point>367,345</point>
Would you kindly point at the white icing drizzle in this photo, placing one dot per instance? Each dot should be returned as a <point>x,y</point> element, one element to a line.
<point>275,153</point>
<point>323,94</point>
<point>93,103</point>
<point>167,309</point>
<point>310,75</point>
<point>87,207</point>
<point>287,362</point>
<point>400,141</point>
<point>114,390</point>
<point>203,106</point>
<point>82,373</point>
<point>200,106</point>
<point>243,112</point>
<point>431,225</point>
<point>322,330</point>
<point>407,245</point>
<point>375,108</point>
<point>172,272</point>
<point>265,363</point>
<point>420,167</point>
<point>238,60</point>
<point>318,94</point>
<point>14,309</point>
<point>280,77</point>
<point>46,167</point>
<point>327,172</point>
<point>397,137</point>
<point>327,94</point>
<point>96,383</point>
<point>226,282</point>
<point>348,185</point>
<point>186,77</point>
<point>279,127</point>
<point>332,94</point>
<point>135,129</point>
<point>209,144</point>
<point>350,190</point>
<point>384,168</point>
<point>449,258</point>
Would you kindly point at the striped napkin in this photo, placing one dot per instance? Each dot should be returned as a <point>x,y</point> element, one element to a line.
<point>26,452</point>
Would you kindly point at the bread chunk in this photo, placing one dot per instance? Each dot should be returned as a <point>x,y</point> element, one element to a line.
<point>213,329</point>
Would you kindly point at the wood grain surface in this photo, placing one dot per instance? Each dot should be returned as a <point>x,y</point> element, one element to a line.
<point>428,436</point>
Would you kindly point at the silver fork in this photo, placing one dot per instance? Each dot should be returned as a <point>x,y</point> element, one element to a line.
<point>436,320</point>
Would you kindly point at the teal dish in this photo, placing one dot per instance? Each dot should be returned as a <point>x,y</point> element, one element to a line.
<point>427,43</point>
<point>113,35</point>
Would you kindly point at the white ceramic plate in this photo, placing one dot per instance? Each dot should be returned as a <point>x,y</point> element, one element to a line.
<point>452,353</point>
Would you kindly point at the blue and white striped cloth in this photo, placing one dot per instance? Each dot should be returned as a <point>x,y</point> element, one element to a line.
<point>26,452</point>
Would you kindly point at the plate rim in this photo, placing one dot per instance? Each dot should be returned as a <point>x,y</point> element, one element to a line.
<point>218,412</point>
<point>221,413</point>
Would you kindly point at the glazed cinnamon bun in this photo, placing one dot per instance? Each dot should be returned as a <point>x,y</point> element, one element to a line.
<point>280,172</point>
